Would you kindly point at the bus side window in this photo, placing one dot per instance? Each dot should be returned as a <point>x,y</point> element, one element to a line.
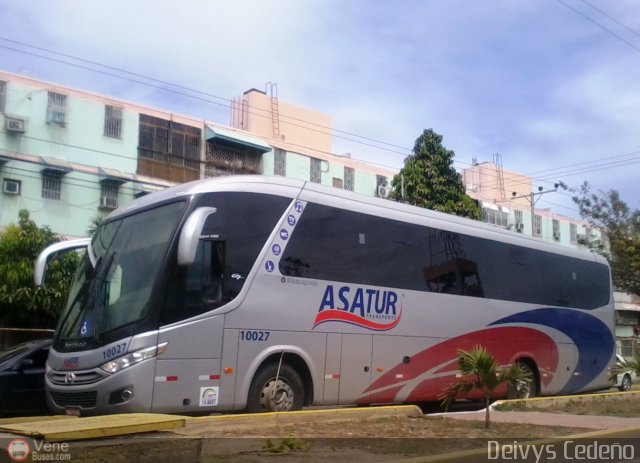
<point>199,287</point>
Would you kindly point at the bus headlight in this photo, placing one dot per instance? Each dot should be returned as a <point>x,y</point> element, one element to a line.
<point>113,366</point>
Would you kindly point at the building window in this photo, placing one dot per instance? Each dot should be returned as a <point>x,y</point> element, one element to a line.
<point>537,225</point>
<point>588,234</point>
<point>556,229</point>
<point>315,174</point>
<point>57,109</point>
<point>109,193</point>
<point>3,95</point>
<point>495,216</point>
<point>519,220</point>
<point>626,318</point>
<point>382,186</point>
<point>51,184</point>
<point>337,182</point>
<point>626,348</point>
<point>349,178</point>
<point>280,162</point>
<point>113,122</point>
<point>573,233</point>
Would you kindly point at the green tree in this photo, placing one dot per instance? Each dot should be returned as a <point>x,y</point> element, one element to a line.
<point>480,371</point>
<point>429,179</point>
<point>21,303</point>
<point>621,226</point>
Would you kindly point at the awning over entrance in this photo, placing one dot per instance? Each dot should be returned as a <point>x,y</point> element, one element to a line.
<point>488,205</point>
<point>141,188</point>
<point>114,175</point>
<point>213,133</point>
<point>51,164</point>
<point>626,301</point>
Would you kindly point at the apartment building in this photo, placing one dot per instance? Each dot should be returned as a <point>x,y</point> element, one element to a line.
<point>68,155</point>
<point>508,200</point>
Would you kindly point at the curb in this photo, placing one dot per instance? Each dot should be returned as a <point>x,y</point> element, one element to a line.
<point>550,402</point>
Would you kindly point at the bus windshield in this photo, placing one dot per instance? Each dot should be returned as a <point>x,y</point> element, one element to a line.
<point>129,252</point>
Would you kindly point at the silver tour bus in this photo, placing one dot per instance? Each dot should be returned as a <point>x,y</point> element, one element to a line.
<point>269,294</point>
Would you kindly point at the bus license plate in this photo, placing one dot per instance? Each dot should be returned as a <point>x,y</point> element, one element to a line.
<point>72,411</point>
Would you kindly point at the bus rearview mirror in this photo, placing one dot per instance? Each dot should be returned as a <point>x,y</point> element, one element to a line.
<point>190,235</point>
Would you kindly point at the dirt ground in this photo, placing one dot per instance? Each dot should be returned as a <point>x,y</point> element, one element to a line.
<point>381,439</point>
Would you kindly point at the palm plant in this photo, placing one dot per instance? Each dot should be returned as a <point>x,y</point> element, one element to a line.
<point>480,371</point>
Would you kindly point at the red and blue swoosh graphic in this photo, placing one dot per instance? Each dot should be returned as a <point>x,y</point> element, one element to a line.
<point>430,370</point>
<point>354,319</point>
<point>593,339</point>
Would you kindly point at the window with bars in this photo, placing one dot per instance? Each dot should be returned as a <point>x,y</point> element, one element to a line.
<point>56,109</point>
<point>109,188</point>
<point>537,225</point>
<point>573,233</point>
<point>280,162</point>
<point>113,122</point>
<point>517,215</point>
<point>3,95</point>
<point>51,184</point>
<point>627,348</point>
<point>315,174</point>
<point>349,178</point>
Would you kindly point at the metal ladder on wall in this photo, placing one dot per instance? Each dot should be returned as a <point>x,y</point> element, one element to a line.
<point>497,161</point>
<point>272,91</point>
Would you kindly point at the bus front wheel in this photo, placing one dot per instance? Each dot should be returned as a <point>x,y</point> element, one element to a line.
<point>276,391</point>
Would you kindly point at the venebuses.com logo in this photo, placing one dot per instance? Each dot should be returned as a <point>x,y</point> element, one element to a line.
<point>37,450</point>
<point>18,450</point>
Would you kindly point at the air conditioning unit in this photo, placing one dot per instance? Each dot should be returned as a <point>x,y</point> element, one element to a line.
<point>107,202</point>
<point>519,227</point>
<point>11,187</point>
<point>14,124</point>
<point>383,191</point>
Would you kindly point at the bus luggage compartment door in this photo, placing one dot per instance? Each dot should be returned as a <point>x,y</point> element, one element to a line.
<point>355,367</point>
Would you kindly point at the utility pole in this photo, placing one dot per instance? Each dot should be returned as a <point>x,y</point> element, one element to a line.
<point>531,197</point>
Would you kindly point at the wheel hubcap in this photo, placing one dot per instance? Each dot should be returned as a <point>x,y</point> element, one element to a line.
<point>276,396</point>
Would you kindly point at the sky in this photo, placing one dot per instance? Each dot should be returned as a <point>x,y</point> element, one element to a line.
<point>550,85</point>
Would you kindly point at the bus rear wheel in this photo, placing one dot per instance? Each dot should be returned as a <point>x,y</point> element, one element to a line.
<point>276,391</point>
<point>525,390</point>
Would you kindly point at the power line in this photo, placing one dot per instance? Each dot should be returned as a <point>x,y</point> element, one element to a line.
<point>548,171</point>
<point>220,104</point>
<point>582,163</point>
<point>226,101</point>
<point>606,29</point>
<point>610,17</point>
